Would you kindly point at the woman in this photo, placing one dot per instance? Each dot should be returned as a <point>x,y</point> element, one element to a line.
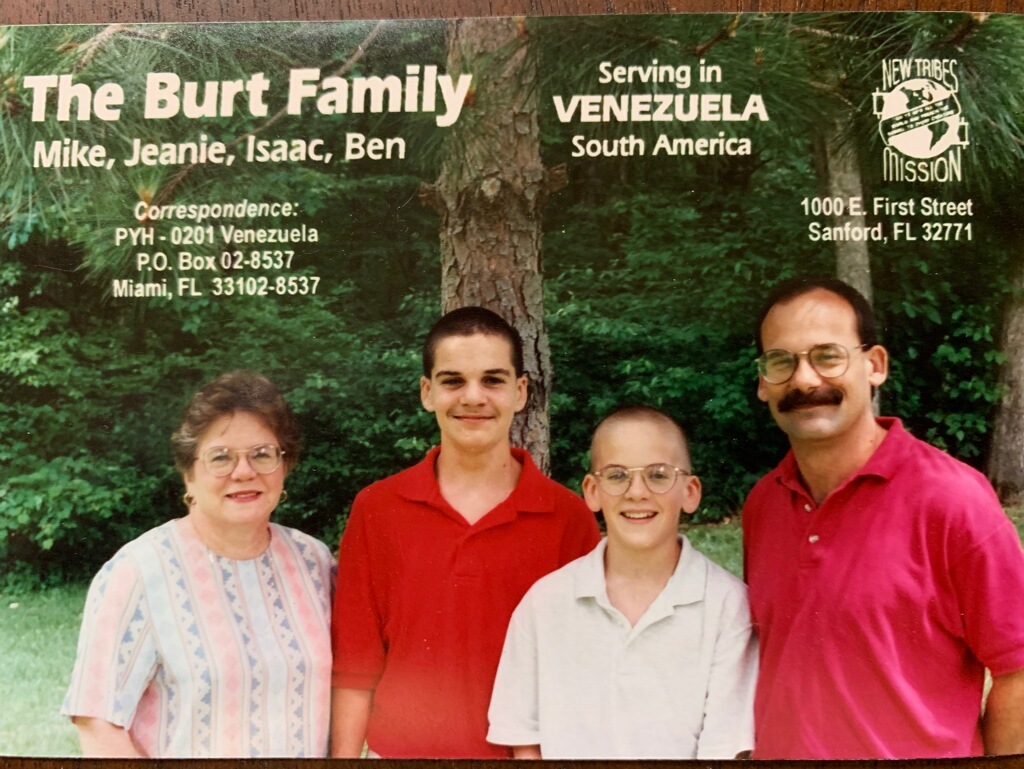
<point>209,636</point>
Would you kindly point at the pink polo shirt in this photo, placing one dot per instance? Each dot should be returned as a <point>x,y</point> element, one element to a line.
<point>879,610</point>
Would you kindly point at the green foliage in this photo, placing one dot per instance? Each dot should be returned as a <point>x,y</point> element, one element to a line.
<point>95,389</point>
<point>942,332</point>
<point>71,498</point>
<point>659,311</point>
<point>95,385</point>
<point>655,268</point>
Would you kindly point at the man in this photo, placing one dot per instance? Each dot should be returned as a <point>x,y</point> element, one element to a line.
<point>642,648</point>
<point>884,576</point>
<point>434,559</point>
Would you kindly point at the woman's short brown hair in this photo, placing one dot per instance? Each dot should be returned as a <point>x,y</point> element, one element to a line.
<point>229,393</point>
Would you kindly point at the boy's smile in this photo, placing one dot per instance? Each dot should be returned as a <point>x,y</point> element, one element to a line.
<point>473,391</point>
<point>637,518</point>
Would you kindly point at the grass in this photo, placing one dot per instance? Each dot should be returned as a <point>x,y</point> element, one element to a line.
<point>39,631</point>
<point>38,635</point>
<point>1017,516</point>
<point>721,542</point>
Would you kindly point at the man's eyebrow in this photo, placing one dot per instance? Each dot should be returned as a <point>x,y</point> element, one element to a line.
<point>491,371</point>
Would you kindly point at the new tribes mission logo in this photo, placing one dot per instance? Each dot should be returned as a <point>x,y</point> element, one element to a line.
<point>920,121</point>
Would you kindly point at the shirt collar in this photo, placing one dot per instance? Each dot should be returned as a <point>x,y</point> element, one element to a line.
<point>686,585</point>
<point>689,579</point>
<point>532,494</point>
<point>589,581</point>
<point>881,464</point>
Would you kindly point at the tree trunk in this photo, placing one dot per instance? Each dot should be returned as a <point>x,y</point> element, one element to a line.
<point>839,173</point>
<point>489,197</point>
<point>1006,455</point>
<point>841,170</point>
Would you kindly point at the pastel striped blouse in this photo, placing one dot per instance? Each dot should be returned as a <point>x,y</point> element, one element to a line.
<point>199,655</point>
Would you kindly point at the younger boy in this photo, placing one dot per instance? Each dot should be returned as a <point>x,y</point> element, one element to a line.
<point>643,648</point>
<point>434,559</point>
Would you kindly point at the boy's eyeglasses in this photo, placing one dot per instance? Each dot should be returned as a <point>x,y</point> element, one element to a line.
<point>659,478</point>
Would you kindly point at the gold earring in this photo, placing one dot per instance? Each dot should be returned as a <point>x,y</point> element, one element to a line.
<point>188,499</point>
<point>283,497</point>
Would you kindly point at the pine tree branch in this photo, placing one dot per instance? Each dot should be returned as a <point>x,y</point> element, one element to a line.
<point>966,28</point>
<point>176,180</point>
<point>723,34</point>
<point>87,50</point>
<point>816,32</point>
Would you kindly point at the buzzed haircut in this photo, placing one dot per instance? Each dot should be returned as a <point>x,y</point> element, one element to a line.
<point>792,288</point>
<point>642,413</point>
<point>467,321</point>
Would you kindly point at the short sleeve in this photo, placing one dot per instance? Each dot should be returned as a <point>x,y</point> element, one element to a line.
<point>356,625</point>
<point>117,653</point>
<point>514,711</point>
<point>989,581</point>
<point>728,726</point>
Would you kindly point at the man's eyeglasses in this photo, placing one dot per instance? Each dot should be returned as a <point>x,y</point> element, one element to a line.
<point>220,460</point>
<point>659,478</point>
<point>829,360</point>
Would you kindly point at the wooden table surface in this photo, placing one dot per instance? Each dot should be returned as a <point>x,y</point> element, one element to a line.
<point>101,11</point>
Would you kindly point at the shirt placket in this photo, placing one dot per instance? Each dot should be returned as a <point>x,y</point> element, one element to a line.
<point>811,545</point>
<point>622,668</point>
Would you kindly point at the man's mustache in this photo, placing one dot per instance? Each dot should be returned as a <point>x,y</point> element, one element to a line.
<point>823,396</point>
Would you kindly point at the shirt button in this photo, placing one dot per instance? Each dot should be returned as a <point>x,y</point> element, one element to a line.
<point>813,538</point>
<point>807,507</point>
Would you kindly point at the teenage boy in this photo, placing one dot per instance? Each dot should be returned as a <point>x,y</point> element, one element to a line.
<point>643,648</point>
<point>434,559</point>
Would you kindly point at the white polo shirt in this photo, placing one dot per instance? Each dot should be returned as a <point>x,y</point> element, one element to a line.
<point>578,680</point>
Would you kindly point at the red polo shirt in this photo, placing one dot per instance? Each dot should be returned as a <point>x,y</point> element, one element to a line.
<point>879,610</point>
<point>424,599</point>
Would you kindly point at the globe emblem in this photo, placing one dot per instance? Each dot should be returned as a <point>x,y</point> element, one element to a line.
<point>919,117</point>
